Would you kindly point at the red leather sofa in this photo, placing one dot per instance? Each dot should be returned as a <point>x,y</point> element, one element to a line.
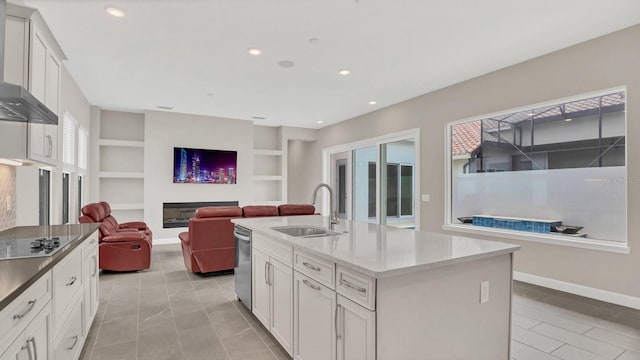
<point>122,247</point>
<point>209,244</point>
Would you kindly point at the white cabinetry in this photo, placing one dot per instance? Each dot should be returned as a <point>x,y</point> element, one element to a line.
<point>33,60</point>
<point>272,282</point>
<point>90,280</point>
<point>314,320</point>
<point>35,340</point>
<point>356,331</point>
<point>332,324</point>
<point>16,69</point>
<point>25,324</point>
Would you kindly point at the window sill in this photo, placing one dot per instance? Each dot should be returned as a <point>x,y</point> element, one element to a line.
<point>584,243</point>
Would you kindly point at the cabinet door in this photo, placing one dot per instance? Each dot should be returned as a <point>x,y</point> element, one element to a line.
<point>313,320</point>
<point>52,83</point>
<point>38,65</point>
<point>282,304</point>
<point>16,351</point>
<point>16,51</point>
<point>39,334</point>
<point>90,283</point>
<point>36,141</point>
<point>356,331</point>
<point>261,289</point>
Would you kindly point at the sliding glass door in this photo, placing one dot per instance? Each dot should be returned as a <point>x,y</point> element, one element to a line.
<point>365,184</point>
<point>377,183</point>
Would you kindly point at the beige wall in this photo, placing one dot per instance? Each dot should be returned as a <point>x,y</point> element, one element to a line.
<point>602,63</point>
<point>162,132</point>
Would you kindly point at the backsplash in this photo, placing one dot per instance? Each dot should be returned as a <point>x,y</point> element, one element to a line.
<point>7,196</point>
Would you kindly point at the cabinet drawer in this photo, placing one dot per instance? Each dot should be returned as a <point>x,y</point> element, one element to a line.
<point>89,245</point>
<point>357,287</point>
<point>67,283</point>
<point>320,270</point>
<point>69,341</point>
<point>275,249</point>
<point>15,316</point>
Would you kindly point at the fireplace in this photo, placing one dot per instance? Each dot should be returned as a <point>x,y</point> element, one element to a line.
<point>175,215</point>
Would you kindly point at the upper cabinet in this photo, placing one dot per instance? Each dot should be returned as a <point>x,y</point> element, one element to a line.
<point>33,60</point>
<point>16,55</point>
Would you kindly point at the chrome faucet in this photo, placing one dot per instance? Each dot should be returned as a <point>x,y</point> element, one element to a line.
<point>333,217</point>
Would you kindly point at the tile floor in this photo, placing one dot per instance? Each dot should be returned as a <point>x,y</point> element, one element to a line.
<point>168,313</point>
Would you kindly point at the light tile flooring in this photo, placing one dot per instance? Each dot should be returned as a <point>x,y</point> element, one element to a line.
<point>168,313</point>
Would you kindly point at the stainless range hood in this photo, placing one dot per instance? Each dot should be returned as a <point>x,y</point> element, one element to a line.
<point>16,103</point>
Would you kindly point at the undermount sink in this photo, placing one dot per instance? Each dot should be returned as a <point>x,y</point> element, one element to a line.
<point>305,231</point>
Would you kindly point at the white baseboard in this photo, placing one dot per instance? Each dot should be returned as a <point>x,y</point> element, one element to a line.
<point>598,294</point>
<point>166,241</point>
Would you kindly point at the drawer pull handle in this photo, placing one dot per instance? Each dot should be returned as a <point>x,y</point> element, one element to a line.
<point>309,284</point>
<point>31,304</point>
<point>73,281</point>
<point>310,266</point>
<point>352,286</point>
<point>335,320</point>
<point>75,341</point>
<point>95,266</point>
<point>32,340</point>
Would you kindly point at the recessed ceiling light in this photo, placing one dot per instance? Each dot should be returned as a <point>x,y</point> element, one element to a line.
<point>567,120</point>
<point>114,11</point>
<point>259,117</point>
<point>286,64</point>
<point>320,121</point>
<point>344,72</point>
<point>254,51</point>
<point>372,102</point>
<point>165,107</point>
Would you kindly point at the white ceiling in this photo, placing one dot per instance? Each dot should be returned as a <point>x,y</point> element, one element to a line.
<point>192,54</point>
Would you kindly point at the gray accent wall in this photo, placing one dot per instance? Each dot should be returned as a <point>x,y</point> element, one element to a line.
<point>606,62</point>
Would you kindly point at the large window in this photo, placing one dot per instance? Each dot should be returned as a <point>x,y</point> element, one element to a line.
<point>66,187</point>
<point>563,163</point>
<point>44,196</point>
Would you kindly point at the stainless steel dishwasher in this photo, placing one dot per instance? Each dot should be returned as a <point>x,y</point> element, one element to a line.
<point>242,269</point>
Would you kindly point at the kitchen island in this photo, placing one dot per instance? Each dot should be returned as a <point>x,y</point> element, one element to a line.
<point>47,303</point>
<point>376,292</point>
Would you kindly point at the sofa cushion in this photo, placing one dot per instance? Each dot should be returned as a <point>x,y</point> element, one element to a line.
<point>259,210</point>
<point>296,209</point>
<point>218,211</point>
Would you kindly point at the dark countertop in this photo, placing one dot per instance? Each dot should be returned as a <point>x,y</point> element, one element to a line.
<point>16,275</point>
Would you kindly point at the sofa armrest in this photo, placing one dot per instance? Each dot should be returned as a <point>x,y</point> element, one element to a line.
<point>138,225</point>
<point>184,237</point>
<point>124,236</point>
<point>128,230</point>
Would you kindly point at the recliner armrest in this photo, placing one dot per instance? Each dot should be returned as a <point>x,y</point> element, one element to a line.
<point>124,236</point>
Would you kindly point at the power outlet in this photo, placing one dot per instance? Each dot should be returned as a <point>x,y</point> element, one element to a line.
<point>484,292</point>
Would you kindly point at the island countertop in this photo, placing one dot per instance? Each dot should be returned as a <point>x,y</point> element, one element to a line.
<point>16,275</point>
<point>377,250</point>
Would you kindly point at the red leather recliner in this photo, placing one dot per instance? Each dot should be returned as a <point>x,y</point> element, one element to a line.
<point>250,211</point>
<point>209,244</point>
<point>296,209</point>
<point>122,247</point>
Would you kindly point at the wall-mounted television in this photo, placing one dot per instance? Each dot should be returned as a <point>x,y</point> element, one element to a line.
<point>202,166</point>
